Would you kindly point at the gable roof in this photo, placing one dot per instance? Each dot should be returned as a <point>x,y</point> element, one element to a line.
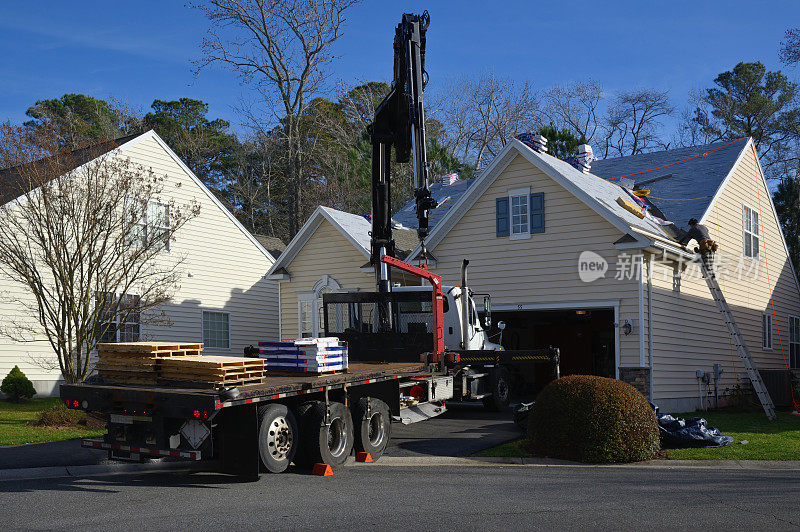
<point>355,228</point>
<point>682,182</point>
<point>120,145</point>
<point>272,244</point>
<point>597,193</point>
<point>13,185</point>
<point>445,195</point>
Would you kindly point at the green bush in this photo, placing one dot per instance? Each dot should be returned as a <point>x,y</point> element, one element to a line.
<point>593,419</point>
<point>16,386</point>
<point>59,415</point>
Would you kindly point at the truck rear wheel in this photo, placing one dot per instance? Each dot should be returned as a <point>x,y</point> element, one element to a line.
<point>501,390</point>
<point>277,438</point>
<point>329,443</point>
<point>374,426</point>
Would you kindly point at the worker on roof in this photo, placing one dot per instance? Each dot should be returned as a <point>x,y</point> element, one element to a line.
<point>699,232</point>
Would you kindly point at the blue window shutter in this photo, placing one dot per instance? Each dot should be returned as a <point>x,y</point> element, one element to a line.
<point>501,215</point>
<point>537,212</point>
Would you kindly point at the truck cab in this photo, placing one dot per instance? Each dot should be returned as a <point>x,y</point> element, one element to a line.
<point>477,337</point>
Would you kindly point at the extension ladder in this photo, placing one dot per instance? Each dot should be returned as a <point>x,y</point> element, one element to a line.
<point>736,336</point>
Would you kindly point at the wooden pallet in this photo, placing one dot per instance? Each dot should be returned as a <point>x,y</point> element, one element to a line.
<point>219,370</point>
<point>279,373</point>
<point>139,362</point>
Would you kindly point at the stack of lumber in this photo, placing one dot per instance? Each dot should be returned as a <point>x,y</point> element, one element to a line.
<point>212,370</point>
<point>307,355</point>
<point>139,362</point>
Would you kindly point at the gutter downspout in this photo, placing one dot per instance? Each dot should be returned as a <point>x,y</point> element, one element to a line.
<point>464,306</point>
<point>641,311</point>
<point>650,320</point>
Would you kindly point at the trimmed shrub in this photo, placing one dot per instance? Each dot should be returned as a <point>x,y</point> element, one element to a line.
<point>16,386</point>
<point>593,419</point>
<point>59,415</point>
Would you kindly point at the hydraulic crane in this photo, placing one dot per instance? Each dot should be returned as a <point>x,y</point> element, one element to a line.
<point>400,124</point>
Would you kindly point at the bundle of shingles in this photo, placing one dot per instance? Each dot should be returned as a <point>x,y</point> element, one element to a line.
<point>305,355</point>
<point>139,362</point>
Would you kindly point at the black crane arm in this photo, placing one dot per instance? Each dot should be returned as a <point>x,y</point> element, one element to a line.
<point>400,123</point>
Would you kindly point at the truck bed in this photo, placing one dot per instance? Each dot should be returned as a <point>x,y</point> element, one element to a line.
<point>176,399</point>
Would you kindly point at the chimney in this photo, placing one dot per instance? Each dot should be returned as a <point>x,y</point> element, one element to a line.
<point>585,158</point>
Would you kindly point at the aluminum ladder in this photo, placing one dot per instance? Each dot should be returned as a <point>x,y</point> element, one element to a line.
<point>707,264</point>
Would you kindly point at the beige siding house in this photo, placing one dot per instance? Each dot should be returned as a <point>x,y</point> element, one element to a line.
<point>330,253</point>
<point>560,250</point>
<point>224,299</point>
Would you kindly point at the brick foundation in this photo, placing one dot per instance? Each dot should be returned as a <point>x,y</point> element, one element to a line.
<point>639,378</point>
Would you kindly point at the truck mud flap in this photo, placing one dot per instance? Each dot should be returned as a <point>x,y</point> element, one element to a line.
<point>238,441</point>
<point>420,412</point>
<point>98,443</point>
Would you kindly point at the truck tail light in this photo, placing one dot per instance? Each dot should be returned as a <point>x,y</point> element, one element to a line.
<point>196,414</point>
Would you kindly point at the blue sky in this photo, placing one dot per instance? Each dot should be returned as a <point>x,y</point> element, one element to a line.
<point>141,51</point>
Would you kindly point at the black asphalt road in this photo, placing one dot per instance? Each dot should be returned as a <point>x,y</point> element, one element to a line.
<point>463,430</point>
<point>375,497</point>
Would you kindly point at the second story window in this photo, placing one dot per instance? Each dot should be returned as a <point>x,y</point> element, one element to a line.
<point>751,231</point>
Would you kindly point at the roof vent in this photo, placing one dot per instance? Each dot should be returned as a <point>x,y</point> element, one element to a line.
<point>585,158</point>
<point>537,143</point>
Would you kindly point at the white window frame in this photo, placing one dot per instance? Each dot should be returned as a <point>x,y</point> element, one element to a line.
<point>794,341</point>
<point>144,227</point>
<point>119,324</point>
<point>766,331</point>
<point>750,234</point>
<point>523,192</point>
<point>314,298</point>
<point>203,327</point>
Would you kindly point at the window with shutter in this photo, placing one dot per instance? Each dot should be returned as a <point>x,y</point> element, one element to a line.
<point>501,216</point>
<point>537,212</point>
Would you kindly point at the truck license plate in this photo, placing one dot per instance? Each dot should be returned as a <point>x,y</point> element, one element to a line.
<point>123,420</point>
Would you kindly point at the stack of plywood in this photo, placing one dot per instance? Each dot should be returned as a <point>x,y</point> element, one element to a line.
<point>139,362</point>
<point>212,370</point>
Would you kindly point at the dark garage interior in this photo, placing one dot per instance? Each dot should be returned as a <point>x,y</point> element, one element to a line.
<point>585,338</point>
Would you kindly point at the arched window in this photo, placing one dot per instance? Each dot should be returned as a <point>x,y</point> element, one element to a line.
<point>309,306</point>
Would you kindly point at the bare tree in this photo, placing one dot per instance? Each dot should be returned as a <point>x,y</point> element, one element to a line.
<point>81,241</point>
<point>482,114</point>
<point>789,52</point>
<point>282,46</point>
<point>695,121</point>
<point>574,107</point>
<point>633,120</point>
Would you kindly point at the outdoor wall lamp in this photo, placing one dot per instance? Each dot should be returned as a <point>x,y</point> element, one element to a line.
<point>627,328</point>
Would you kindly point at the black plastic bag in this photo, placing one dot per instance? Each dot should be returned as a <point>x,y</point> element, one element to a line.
<point>677,432</point>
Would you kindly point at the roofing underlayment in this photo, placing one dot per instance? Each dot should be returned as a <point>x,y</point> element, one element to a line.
<point>445,195</point>
<point>683,190</point>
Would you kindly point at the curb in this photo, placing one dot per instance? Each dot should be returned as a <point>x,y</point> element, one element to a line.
<point>39,473</point>
<point>482,461</point>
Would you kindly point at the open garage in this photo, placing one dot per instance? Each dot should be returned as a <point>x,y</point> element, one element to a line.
<point>584,336</point>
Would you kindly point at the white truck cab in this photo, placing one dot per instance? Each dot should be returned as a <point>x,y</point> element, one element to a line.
<point>456,321</point>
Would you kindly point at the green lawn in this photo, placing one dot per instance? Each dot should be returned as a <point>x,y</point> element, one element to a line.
<point>15,428</point>
<point>779,440</point>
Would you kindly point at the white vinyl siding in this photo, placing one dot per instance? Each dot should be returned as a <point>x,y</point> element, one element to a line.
<point>221,269</point>
<point>750,222</point>
<point>216,329</point>
<point>766,331</point>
